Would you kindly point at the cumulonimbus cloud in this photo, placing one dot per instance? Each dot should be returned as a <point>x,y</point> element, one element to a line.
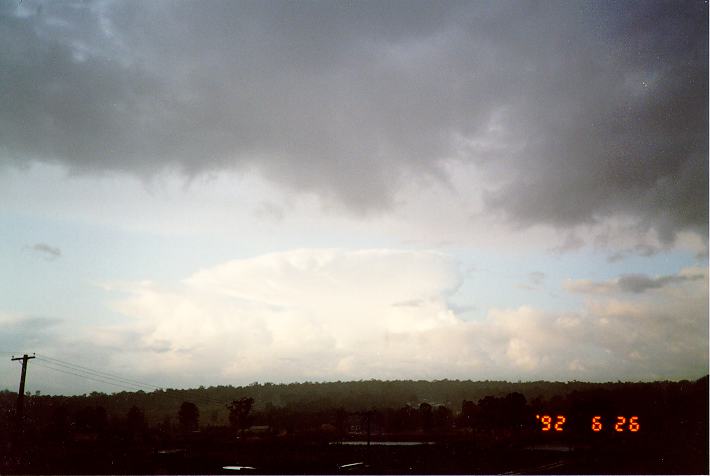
<point>340,315</point>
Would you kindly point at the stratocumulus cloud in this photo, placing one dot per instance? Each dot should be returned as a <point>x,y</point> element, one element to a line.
<point>634,283</point>
<point>47,251</point>
<point>572,112</point>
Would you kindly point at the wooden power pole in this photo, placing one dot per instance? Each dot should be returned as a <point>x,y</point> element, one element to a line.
<point>21,393</point>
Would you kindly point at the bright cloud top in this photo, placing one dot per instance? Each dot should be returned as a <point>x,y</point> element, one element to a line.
<point>339,315</point>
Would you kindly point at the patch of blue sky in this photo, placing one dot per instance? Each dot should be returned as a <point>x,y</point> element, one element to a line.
<point>37,284</point>
<point>97,253</point>
<point>93,254</point>
<point>505,280</point>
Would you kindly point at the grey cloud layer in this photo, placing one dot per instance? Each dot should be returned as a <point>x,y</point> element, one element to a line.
<point>578,111</point>
<point>26,332</point>
<point>631,283</point>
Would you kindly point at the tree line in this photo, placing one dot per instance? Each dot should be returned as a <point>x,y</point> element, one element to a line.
<point>338,407</point>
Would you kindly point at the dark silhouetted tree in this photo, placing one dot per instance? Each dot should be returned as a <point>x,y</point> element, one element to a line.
<point>135,420</point>
<point>189,416</point>
<point>442,417</point>
<point>468,414</point>
<point>239,413</point>
<point>427,416</point>
<point>91,419</point>
<point>341,421</point>
<point>516,410</point>
<point>59,422</point>
<point>405,419</point>
<point>510,411</point>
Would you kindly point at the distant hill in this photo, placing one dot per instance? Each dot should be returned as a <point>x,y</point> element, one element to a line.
<point>311,397</point>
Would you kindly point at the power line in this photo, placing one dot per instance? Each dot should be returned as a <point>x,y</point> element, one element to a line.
<point>202,400</point>
<point>84,376</point>
<point>102,377</point>
<point>98,373</point>
<point>107,378</point>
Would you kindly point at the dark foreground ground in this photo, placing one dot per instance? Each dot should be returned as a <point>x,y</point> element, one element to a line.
<point>283,456</point>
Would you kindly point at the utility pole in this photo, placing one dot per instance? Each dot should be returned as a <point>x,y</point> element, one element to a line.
<point>21,393</point>
<point>368,417</point>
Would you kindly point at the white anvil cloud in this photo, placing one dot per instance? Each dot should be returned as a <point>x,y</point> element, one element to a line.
<point>338,315</point>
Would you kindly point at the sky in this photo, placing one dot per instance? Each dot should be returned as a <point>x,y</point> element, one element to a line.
<point>217,193</point>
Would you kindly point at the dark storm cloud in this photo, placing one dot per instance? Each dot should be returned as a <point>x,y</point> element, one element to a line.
<point>638,283</point>
<point>631,283</point>
<point>580,110</point>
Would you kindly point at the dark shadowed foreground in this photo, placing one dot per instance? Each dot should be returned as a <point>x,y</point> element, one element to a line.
<point>365,427</point>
